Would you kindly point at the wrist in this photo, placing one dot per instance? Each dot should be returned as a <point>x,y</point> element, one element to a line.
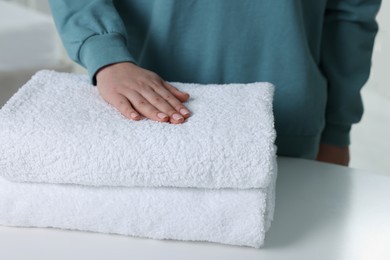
<point>93,58</point>
<point>114,68</point>
<point>333,154</point>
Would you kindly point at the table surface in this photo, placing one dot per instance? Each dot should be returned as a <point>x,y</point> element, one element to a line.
<point>322,211</point>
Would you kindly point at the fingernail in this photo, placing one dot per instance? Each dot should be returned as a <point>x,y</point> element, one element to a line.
<point>177,117</point>
<point>134,115</point>
<point>162,115</point>
<point>184,111</point>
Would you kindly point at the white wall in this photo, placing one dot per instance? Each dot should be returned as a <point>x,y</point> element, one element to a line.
<point>41,5</point>
<point>370,138</point>
<point>379,79</point>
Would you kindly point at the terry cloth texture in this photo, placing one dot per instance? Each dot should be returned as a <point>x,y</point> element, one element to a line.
<point>217,169</point>
<point>228,216</point>
<point>57,129</point>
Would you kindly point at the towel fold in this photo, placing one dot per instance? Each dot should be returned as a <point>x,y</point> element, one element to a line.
<point>70,160</point>
<point>228,216</point>
<point>57,129</point>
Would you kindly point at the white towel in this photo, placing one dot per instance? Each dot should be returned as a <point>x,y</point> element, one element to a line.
<point>211,178</point>
<point>229,216</point>
<point>57,129</point>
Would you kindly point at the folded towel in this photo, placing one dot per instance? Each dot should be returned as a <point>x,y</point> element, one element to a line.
<point>229,216</point>
<point>57,129</point>
<point>209,179</point>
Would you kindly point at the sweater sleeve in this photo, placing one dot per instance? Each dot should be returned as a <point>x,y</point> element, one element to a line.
<point>347,44</point>
<point>92,32</point>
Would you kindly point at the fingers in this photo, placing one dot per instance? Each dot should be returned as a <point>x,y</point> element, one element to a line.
<point>162,105</point>
<point>143,106</point>
<point>182,96</point>
<point>173,102</point>
<point>124,106</point>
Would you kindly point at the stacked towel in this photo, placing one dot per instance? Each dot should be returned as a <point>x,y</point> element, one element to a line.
<point>211,178</point>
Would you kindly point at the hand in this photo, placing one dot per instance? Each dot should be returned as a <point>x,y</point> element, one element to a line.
<point>135,91</point>
<point>333,154</point>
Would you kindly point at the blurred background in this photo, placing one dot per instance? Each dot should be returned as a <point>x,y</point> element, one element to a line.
<point>29,42</point>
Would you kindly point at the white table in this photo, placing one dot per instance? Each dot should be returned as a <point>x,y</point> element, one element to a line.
<point>322,212</point>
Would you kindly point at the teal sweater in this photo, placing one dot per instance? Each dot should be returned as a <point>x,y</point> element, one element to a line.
<point>316,52</point>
